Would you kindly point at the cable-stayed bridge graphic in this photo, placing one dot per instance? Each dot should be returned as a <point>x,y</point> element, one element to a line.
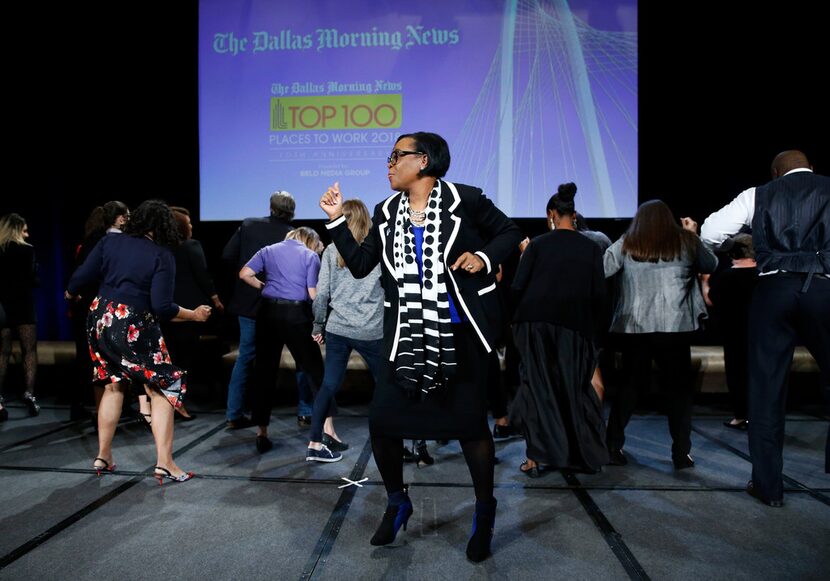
<point>566,97</point>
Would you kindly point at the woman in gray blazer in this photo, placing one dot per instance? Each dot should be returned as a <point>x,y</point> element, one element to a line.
<point>658,309</point>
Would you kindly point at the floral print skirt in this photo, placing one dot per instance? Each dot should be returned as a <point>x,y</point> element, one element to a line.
<point>127,345</point>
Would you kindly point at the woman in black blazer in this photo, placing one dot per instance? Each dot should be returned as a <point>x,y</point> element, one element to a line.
<point>439,245</point>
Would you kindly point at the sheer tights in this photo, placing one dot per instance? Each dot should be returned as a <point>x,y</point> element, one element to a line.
<point>479,454</point>
<point>28,347</point>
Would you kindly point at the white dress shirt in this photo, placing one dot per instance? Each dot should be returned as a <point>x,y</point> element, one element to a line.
<point>728,220</point>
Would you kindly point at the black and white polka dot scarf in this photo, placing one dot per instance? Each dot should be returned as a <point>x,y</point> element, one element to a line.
<point>426,354</point>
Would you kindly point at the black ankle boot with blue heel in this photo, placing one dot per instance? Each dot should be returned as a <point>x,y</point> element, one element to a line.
<point>484,519</point>
<point>398,511</point>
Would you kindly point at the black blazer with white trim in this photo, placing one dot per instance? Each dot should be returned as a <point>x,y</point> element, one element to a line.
<point>470,222</point>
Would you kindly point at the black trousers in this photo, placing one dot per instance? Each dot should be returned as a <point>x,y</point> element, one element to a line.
<point>671,352</point>
<point>735,361</point>
<point>279,325</point>
<point>781,315</point>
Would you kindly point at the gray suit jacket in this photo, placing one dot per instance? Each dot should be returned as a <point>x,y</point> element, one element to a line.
<point>661,297</point>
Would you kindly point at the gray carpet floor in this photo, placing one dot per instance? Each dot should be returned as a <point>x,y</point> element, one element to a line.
<point>276,516</point>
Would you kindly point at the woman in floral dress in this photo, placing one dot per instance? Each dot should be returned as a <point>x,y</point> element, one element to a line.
<point>136,274</point>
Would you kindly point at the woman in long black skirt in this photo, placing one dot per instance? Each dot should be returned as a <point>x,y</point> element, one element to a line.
<point>562,285</point>
<point>439,245</point>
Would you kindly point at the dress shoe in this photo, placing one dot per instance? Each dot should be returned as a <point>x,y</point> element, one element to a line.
<point>752,491</point>
<point>741,425</point>
<point>304,421</point>
<point>263,444</point>
<point>335,445</point>
<point>239,424</point>
<point>681,462</point>
<point>617,458</point>
<point>503,432</point>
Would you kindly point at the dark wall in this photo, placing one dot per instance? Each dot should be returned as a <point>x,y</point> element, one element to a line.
<point>105,106</point>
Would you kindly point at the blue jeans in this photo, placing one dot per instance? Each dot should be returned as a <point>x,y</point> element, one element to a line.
<point>242,369</point>
<point>305,397</point>
<point>338,349</point>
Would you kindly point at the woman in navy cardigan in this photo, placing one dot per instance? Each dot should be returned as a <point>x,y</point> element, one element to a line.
<point>137,273</point>
<point>439,245</point>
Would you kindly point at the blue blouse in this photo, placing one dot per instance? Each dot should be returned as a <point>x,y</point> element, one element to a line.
<point>418,232</point>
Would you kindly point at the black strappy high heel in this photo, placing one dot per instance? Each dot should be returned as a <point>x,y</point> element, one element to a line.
<point>101,469</point>
<point>169,475</point>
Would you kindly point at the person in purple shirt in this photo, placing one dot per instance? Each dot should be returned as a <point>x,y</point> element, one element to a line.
<point>136,273</point>
<point>291,269</point>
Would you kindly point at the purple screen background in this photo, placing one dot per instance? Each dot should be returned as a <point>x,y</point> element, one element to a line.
<point>574,108</point>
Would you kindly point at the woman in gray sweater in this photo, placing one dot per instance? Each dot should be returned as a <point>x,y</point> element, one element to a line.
<point>350,313</point>
<point>658,309</point>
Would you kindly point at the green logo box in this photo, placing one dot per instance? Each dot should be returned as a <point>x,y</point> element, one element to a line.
<point>336,112</point>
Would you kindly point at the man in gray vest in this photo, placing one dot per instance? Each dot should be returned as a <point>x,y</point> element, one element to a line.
<point>790,220</point>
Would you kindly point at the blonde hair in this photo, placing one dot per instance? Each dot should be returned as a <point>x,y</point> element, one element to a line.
<point>358,221</point>
<point>307,236</point>
<point>11,230</point>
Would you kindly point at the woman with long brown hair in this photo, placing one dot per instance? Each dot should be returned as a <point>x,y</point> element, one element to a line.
<point>657,311</point>
<point>350,313</point>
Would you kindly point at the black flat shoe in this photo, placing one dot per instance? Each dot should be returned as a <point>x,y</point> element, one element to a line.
<point>334,445</point>
<point>742,425</point>
<point>304,421</point>
<point>530,472</point>
<point>617,458</point>
<point>682,462</point>
<point>4,415</point>
<point>753,492</point>
<point>263,444</point>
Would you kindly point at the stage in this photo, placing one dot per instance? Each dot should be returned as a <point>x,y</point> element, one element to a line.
<point>276,516</point>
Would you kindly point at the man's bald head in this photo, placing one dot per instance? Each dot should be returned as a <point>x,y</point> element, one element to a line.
<point>787,161</point>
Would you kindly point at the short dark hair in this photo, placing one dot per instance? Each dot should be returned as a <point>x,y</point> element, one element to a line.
<point>283,205</point>
<point>436,149</point>
<point>154,217</point>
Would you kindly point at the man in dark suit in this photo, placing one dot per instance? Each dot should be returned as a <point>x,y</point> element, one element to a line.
<point>790,219</point>
<point>252,235</point>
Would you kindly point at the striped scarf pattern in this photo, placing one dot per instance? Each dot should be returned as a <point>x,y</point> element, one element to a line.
<point>426,353</point>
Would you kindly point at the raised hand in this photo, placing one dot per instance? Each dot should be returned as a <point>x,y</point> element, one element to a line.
<point>689,224</point>
<point>332,202</point>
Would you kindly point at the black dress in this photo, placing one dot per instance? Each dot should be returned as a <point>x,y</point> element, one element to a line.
<point>17,284</point>
<point>562,285</point>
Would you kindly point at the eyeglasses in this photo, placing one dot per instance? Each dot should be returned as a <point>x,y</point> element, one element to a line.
<point>399,153</point>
